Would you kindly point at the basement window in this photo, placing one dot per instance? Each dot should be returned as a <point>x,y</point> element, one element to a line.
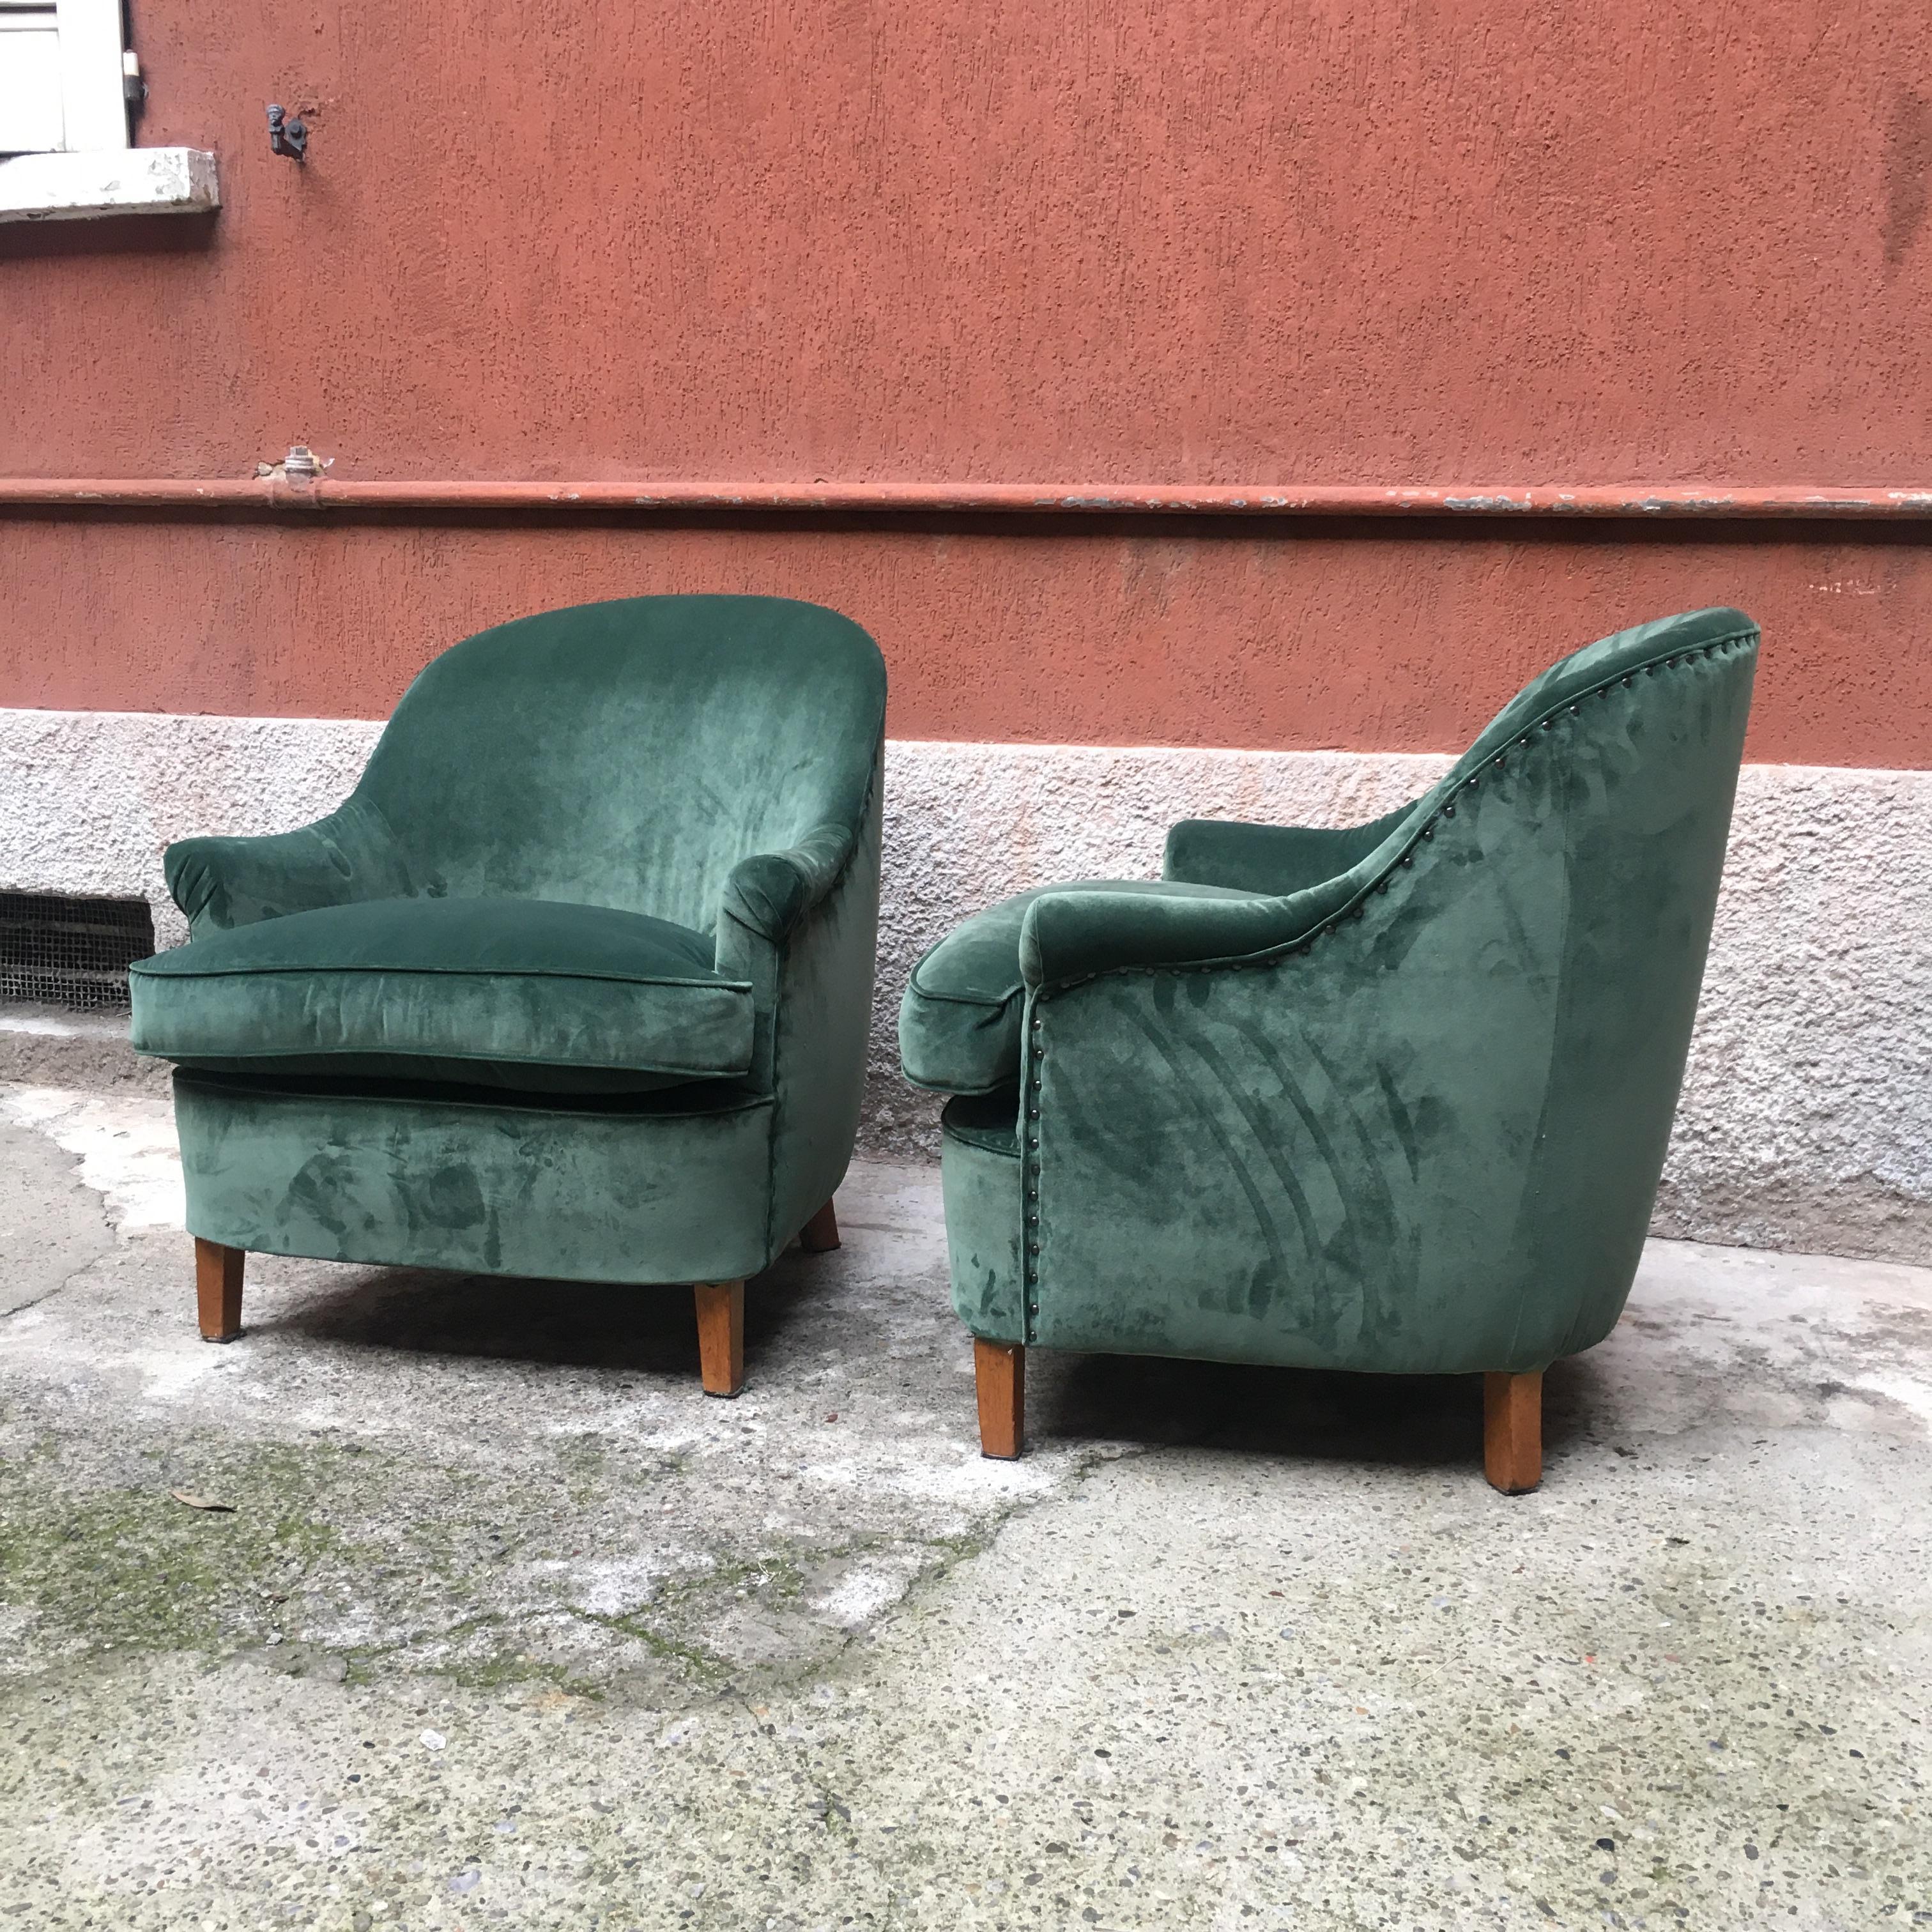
<point>69,84</point>
<point>72,953</point>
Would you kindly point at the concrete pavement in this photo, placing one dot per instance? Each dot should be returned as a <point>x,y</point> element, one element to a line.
<point>505,1623</point>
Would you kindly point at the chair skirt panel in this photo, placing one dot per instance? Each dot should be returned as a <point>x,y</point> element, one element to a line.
<point>979,1176</point>
<point>656,1190</point>
<point>1427,1141</point>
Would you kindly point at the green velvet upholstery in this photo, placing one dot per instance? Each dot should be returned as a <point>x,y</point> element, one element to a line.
<point>1406,1115</point>
<point>980,1180</point>
<point>959,1020</point>
<point>575,984</point>
<point>521,993</point>
<point>667,1186</point>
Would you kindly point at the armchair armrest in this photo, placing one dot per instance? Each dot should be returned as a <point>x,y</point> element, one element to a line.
<point>767,934</point>
<point>768,894</point>
<point>1070,936</point>
<point>1275,859</point>
<point>352,854</point>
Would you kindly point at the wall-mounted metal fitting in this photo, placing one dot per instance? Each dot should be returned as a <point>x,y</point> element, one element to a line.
<point>286,136</point>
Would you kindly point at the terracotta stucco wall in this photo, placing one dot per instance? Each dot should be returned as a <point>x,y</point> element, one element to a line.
<point>1169,241</point>
<point>1292,641</point>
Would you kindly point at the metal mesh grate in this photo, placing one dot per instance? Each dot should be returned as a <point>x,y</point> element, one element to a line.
<point>72,953</point>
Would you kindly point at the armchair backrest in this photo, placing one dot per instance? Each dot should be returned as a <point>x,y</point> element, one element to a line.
<point>1531,939</point>
<point>1412,1117</point>
<point>629,753</point>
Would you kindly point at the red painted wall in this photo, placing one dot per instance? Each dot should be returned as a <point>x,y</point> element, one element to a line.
<point>1398,642</point>
<point>1161,240</point>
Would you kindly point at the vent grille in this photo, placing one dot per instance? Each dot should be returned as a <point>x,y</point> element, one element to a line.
<point>72,953</point>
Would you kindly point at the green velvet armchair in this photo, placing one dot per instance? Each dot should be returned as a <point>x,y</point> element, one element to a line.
<point>576,984</point>
<point>1394,1098</point>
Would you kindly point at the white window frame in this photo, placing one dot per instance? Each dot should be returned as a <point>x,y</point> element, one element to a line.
<point>94,169</point>
<point>95,70</point>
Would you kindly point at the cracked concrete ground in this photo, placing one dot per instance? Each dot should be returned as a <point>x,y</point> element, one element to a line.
<point>504,1623</point>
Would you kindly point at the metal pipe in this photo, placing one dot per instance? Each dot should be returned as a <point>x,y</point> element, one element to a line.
<point>1638,502</point>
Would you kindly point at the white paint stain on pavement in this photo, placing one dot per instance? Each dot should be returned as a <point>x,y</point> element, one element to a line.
<point>126,1147</point>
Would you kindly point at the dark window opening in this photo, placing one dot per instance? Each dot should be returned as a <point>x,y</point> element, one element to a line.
<point>72,953</point>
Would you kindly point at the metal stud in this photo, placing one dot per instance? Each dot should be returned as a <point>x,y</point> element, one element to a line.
<point>1448,811</point>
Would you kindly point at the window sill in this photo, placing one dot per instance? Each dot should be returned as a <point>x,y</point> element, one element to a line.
<point>108,181</point>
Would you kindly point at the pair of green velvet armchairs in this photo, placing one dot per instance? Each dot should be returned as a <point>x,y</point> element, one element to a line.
<point>576,985</point>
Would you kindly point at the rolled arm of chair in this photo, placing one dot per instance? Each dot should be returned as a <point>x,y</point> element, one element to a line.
<point>1310,874</point>
<point>1275,859</point>
<point>768,894</point>
<point>768,903</point>
<point>1071,936</point>
<point>350,855</point>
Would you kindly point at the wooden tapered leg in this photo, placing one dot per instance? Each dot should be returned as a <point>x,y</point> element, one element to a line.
<point>217,1289</point>
<point>721,1335</point>
<point>820,1235</point>
<point>1512,1431</point>
<point>999,1369</point>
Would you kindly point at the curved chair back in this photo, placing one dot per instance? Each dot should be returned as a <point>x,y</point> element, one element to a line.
<point>1575,853</point>
<point>629,753</point>
<point>1415,1122</point>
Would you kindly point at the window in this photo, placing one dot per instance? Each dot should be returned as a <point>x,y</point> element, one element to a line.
<point>68,82</point>
<point>65,76</point>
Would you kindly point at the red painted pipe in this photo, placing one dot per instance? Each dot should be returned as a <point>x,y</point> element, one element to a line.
<point>1596,500</point>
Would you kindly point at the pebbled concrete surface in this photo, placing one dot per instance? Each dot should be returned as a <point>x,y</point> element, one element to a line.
<point>508,1624</point>
<point>45,1046</point>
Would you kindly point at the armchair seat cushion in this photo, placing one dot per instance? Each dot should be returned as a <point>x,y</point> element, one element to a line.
<point>959,1023</point>
<point>526,994</point>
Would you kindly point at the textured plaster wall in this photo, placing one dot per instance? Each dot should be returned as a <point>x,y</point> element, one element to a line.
<point>1077,240</point>
<point>1194,240</point>
<point>1806,1117</point>
<point>1279,636</point>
